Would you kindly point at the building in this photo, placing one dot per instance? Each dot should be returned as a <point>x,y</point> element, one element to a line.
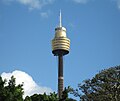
<point>60,47</point>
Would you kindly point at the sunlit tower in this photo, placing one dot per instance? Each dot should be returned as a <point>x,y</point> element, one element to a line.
<point>60,47</point>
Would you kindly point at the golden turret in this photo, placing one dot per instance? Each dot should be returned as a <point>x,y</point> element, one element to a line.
<point>60,43</point>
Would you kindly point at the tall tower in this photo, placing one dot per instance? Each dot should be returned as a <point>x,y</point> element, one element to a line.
<point>60,47</point>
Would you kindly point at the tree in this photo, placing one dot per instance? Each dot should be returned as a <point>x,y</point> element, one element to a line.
<point>10,92</point>
<point>65,95</point>
<point>27,98</point>
<point>52,97</point>
<point>42,97</point>
<point>2,89</point>
<point>104,86</point>
<point>13,92</point>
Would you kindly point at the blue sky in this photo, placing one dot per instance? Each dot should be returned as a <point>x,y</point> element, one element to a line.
<point>27,28</point>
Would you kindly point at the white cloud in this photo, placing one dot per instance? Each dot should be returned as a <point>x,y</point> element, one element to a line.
<point>118,2</point>
<point>86,1</point>
<point>45,14</point>
<point>29,85</point>
<point>32,4</point>
<point>81,1</point>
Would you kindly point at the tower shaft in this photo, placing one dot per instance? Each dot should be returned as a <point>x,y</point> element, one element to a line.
<point>60,76</point>
<point>60,47</point>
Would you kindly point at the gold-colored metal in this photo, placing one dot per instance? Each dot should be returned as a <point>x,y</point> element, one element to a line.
<point>60,41</point>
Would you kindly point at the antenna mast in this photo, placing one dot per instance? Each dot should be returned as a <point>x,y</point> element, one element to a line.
<point>60,20</point>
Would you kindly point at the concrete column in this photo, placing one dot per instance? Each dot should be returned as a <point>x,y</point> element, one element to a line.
<point>60,76</point>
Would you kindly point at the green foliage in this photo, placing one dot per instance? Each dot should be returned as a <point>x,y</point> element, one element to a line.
<point>2,90</point>
<point>27,98</point>
<point>104,86</point>
<point>65,95</point>
<point>42,97</point>
<point>11,92</point>
<point>52,97</point>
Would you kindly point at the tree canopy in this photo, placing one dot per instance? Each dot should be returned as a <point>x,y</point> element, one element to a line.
<point>104,86</point>
<point>13,92</point>
<point>10,92</point>
<point>52,97</point>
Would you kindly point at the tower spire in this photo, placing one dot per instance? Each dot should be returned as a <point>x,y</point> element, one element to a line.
<point>60,47</point>
<point>60,23</point>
